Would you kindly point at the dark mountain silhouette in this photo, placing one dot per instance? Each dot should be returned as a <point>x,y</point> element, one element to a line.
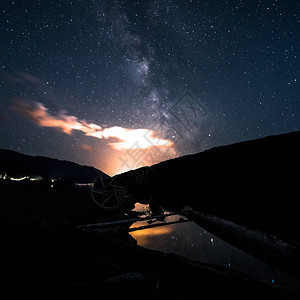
<point>46,255</point>
<point>17,164</point>
<point>253,183</point>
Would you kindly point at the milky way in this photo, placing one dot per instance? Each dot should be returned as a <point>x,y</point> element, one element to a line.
<point>188,74</point>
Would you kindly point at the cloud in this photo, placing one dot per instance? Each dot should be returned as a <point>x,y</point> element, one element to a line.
<point>141,138</point>
<point>86,147</point>
<point>10,77</point>
<point>20,77</point>
<point>31,78</point>
<point>38,114</point>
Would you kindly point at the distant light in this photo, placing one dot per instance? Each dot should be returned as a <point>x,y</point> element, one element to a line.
<point>36,178</point>
<point>83,184</point>
<point>18,178</point>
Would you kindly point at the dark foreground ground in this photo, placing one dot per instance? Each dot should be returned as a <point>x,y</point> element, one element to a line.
<point>45,256</point>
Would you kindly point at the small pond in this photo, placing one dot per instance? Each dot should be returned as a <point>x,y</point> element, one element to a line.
<point>193,242</point>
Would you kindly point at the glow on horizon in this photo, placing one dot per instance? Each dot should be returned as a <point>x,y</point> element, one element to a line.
<point>120,161</point>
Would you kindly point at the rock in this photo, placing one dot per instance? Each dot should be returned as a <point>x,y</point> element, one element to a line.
<point>129,285</point>
<point>130,278</point>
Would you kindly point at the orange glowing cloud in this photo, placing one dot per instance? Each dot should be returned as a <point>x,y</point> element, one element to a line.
<point>131,138</point>
<point>127,138</point>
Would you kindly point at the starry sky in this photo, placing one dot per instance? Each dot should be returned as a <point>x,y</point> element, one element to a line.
<point>122,84</point>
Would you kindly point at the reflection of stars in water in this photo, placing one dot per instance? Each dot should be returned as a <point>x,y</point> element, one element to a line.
<point>192,241</point>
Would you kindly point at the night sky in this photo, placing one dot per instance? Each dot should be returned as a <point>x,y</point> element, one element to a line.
<point>121,84</point>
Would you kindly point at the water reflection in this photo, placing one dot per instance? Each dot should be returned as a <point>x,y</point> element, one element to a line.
<point>193,242</point>
<point>147,237</point>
